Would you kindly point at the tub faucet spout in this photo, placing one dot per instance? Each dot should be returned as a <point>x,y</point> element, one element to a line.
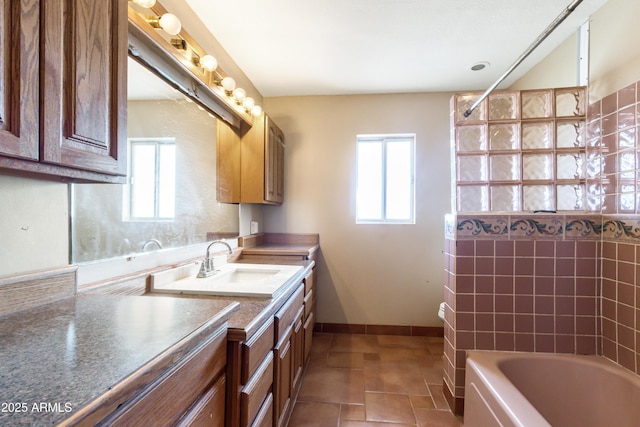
<point>208,267</point>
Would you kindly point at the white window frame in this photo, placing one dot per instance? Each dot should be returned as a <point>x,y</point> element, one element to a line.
<point>127,206</point>
<point>385,139</point>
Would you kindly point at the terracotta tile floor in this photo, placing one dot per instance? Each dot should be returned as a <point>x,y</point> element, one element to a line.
<point>373,380</point>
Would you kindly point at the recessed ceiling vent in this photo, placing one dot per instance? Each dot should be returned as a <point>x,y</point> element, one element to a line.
<point>479,66</point>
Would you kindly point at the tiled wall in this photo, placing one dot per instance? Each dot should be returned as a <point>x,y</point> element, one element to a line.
<point>520,283</point>
<point>612,153</point>
<point>621,303</point>
<point>612,126</point>
<point>554,283</point>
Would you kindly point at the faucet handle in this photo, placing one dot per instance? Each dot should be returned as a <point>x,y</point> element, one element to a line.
<point>204,272</point>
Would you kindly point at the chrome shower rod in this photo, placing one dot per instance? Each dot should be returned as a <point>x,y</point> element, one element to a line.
<point>522,57</point>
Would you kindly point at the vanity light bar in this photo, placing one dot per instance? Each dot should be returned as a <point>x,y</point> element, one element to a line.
<point>171,25</point>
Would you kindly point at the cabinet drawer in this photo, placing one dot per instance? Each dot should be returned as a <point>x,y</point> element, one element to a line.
<point>286,315</point>
<point>254,350</point>
<point>265,416</point>
<point>208,411</point>
<point>254,393</point>
<point>309,283</point>
<point>166,399</point>
<point>308,303</point>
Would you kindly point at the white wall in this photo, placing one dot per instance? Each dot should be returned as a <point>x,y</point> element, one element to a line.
<point>34,225</point>
<point>558,69</point>
<point>368,274</point>
<point>614,59</point>
<point>614,54</point>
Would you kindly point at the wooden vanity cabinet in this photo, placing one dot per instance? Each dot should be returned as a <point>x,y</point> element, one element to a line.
<point>310,305</point>
<point>250,372</point>
<point>265,372</point>
<point>310,291</point>
<point>288,356</point>
<point>209,409</point>
<point>256,175</point>
<point>63,89</point>
<point>192,392</point>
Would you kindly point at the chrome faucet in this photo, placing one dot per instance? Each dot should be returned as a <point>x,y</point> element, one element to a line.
<point>151,242</point>
<point>208,267</point>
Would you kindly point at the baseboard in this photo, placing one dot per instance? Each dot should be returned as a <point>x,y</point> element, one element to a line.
<point>345,328</point>
<point>456,404</point>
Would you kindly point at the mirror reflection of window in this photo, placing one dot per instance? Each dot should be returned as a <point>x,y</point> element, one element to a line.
<point>151,190</point>
<point>173,195</point>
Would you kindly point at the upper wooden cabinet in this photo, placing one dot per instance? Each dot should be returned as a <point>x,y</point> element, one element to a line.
<point>260,175</point>
<point>63,93</point>
<point>19,77</point>
<point>273,163</point>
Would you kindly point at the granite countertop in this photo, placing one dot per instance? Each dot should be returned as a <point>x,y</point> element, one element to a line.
<point>281,249</point>
<point>57,358</point>
<point>278,244</point>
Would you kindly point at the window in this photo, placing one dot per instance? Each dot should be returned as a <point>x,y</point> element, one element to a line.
<point>151,191</point>
<point>385,189</point>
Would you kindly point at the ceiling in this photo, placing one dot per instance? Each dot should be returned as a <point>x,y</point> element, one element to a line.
<point>333,47</point>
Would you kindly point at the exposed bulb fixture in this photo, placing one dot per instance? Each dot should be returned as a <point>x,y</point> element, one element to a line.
<point>228,84</point>
<point>256,110</point>
<point>248,103</point>
<point>171,25</point>
<point>168,22</point>
<point>145,3</point>
<point>209,63</point>
<point>239,94</point>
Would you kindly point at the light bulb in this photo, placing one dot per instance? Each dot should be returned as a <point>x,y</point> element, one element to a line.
<point>170,24</point>
<point>248,103</point>
<point>145,3</point>
<point>228,84</point>
<point>256,110</point>
<point>239,94</point>
<point>209,63</point>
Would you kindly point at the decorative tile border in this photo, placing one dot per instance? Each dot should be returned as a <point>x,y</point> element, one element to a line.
<point>524,227</point>
<point>583,227</point>
<point>489,226</point>
<point>621,228</point>
<point>552,227</point>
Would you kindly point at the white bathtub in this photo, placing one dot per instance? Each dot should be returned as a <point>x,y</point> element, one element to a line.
<point>540,389</point>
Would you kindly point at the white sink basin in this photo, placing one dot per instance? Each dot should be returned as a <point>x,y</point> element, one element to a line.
<point>233,279</point>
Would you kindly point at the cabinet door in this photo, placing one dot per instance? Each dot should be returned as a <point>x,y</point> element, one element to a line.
<point>254,394</point>
<point>308,334</point>
<point>84,110</point>
<point>282,379</point>
<point>274,163</point>
<point>298,351</point>
<point>208,411</point>
<point>19,78</point>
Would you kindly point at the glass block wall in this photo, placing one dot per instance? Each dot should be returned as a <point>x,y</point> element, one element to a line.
<point>520,151</point>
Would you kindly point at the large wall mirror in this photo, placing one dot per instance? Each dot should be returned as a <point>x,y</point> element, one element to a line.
<point>170,198</point>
